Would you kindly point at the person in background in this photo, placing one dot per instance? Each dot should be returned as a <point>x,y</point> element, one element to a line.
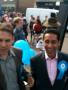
<point>40,43</point>
<point>50,68</point>
<point>46,18</point>
<point>5,18</point>
<point>32,21</point>
<point>25,29</point>
<point>18,30</point>
<point>12,70</point>
<point>51,22</point>
<point>37,26</point>
<point>44,21</point>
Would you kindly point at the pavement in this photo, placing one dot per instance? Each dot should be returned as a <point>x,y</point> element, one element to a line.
<point>65,44</point>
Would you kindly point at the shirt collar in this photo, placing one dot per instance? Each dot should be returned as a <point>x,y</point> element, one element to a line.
<point>10,53</point>
<point>1,58</point>
<point>47,57</point>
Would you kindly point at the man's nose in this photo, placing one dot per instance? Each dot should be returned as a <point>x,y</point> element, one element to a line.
<point>3,43</point>
<point>50,44</point>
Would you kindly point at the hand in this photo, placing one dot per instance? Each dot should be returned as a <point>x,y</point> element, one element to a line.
<point>30,81</point>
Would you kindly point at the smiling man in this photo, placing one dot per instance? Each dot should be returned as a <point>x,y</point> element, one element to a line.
<point>51,42</point>
<point>50,68</point>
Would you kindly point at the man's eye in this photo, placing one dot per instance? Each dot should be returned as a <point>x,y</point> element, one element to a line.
<point>7,40</point>
<point>1,40</point>
<point>46,41</point>
<point>52,42</point>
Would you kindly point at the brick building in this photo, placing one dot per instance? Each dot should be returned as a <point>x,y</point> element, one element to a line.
<point>23,4</point>
<point>17,4</point>
<point>48,3</point>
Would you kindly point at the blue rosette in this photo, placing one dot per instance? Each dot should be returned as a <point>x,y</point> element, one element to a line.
<point>62,66</point>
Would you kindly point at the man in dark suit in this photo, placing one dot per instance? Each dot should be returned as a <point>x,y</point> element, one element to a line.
<point>50,68</point>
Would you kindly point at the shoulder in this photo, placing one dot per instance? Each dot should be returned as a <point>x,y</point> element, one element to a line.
<point>63,55</point>
<point>17,55</point>
<point>16,52</point>
<point>38,57</point>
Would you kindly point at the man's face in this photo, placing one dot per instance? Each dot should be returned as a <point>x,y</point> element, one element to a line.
<point>51,44</point>
<point>6,40</point>
<point>20,23</point>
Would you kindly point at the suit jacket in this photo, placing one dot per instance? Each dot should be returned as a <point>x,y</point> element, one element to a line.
<point>21,73</point>
<point>40,74</point>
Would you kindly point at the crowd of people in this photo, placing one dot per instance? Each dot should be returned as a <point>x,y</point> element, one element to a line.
<point>48,69</point>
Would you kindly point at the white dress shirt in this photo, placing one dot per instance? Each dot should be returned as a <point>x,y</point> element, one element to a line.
<point>51,67</point>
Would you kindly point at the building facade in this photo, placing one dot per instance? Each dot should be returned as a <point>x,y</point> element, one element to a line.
<point>17,4</point>
<point>5,4</point>
<point>23,4</point>
<point>49,3</point>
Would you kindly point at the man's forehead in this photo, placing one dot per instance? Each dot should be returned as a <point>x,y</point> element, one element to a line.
<point>50,34</point>
<point>5,32</point>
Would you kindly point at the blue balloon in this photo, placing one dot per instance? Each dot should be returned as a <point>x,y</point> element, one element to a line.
<point>25,47</point>
<point>32,52</point>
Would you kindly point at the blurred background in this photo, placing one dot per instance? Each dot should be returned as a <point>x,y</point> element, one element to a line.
<point>21,5</point>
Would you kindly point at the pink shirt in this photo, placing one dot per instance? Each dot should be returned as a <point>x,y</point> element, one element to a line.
<point>51,67</point>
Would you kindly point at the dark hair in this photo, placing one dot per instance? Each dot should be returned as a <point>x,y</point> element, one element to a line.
<point>52,31</point>
<point>53,15</point>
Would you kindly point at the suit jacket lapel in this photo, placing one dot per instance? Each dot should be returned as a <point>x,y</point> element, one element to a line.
<point>59,59</point>
<point>45,67</point>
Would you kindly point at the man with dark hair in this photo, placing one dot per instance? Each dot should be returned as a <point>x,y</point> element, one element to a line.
<point>52,22</point>
<point>52,31</point>
<point>50,68</point>
<point>53,15</point>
